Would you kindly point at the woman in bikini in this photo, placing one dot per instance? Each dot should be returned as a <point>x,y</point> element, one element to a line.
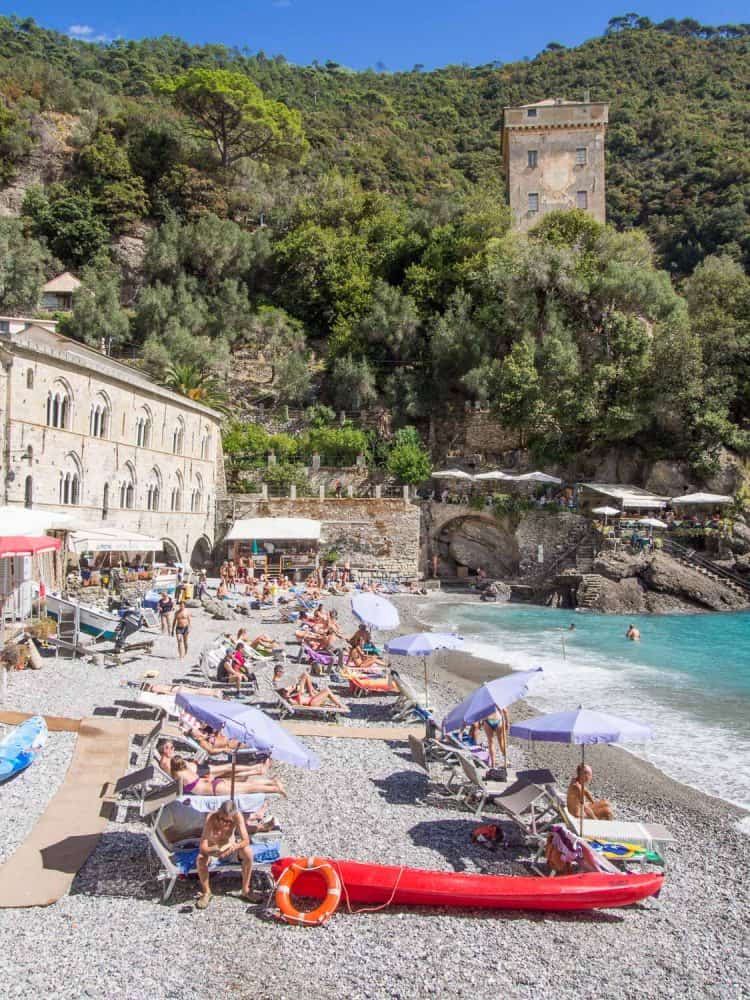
<point>495,728</point>
<point>195,784</point>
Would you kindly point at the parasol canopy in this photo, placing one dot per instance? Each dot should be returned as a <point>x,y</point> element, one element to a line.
<point>582,726</point>
<point>607,511</point>
<point>652,522</point>
<point>451,474</point>
<point>489,697</point>
<point>25,545</point>
<point>375,611</point>
<point>700,498</point>
<point>423,643</point>
<point>248,726</point>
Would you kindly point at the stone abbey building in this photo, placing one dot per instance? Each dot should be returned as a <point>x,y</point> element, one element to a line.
<point>85,434</point>
<point>554,158</point>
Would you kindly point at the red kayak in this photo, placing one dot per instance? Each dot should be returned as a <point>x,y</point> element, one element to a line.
<point>378,884</point>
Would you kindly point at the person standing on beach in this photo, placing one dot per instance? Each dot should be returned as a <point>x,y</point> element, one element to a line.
<point>182,622</point>
<point>224,836</point>
<point>166,610</point>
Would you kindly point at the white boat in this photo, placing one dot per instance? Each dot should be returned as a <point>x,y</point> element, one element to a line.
<point>93,621</point>
<point>165,578</point>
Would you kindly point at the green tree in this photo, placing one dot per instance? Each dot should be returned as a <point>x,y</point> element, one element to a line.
<point>516,391</point>
<point>352,383</point>
<point>69,224</point>
<point>198,384</point>
<point>410,463</point>
<point>25,265</point>
<point>97,317</point>
<point>230,109</point>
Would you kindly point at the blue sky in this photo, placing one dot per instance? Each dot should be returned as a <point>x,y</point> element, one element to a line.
<point>394,34</point>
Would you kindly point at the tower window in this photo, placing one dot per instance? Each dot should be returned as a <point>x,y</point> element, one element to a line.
<point>531,112</point>
<point>533,157</point>
<point>581,156</point>
<point>533,202</point>
<point>582,199</point>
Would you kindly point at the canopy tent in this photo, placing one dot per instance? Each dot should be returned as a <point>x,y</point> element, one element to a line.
<point>537,477</point>
<point>702,498</point>
<point>23,521</point>
<point>113,540</point>
<point>22,545</point>
<point>451,474</point>
<point>630,497</point>
<point>274,529</point>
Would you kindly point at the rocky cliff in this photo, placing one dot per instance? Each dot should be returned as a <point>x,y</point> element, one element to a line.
<point>658,583</point>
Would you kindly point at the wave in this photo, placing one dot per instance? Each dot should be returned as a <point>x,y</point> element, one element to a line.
<point>692,721</point>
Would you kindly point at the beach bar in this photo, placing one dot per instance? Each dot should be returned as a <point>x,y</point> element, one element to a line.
<point>276,545</point>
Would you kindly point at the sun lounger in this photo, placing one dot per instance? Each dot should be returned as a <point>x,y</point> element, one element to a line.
<point>290,709</point>
<point>530,807</point>
<point>248,686</point>
<point>174,837</point>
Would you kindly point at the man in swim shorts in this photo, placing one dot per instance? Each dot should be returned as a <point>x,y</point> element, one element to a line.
<point>633,633</point>
<point>182,623</point>
<point>579,797</point>
<point>224,836</point>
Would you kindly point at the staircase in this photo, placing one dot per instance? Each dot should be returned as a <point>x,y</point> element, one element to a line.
<point>706,567</point>
<point>589,591</point>
<point>585,553</point>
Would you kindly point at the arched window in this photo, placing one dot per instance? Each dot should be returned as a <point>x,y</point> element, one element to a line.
<point>153,490</point>
<point>100,416</point>
<point>105,502</point>
<point>127,488</point>
<point>176,498</point>
<point>178,437</point>
<point>196,497</point>
<point>29,378</point>
<point>28,492</point>
<point>143,427</point>
<point>71,477</point>
<point>59,406</point>
<point>205,443</point>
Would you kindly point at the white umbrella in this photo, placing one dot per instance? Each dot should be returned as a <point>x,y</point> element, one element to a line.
<point>451,474</point>
<point>606,511</point>
<point>651,522</point>
<point>538,477</point>
<point>702,498</point>
<point>495,474</point>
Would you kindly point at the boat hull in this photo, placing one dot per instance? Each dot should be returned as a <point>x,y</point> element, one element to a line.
<point>92,622</point>
<point>20,749</point>
<point>386,884</point>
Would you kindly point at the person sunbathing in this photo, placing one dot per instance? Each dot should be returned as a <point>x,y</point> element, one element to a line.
<point>580,796</point>
<point>358,659</point>
<point>231,670</point>
<point>154,688</point>
<point>167,752</point>
<point>213,742</point>
<point>303,691</point>
<point>196,784</point>
<point>224,836</point>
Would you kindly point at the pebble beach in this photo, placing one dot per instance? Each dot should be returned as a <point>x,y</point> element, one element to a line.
<point>112,937</point>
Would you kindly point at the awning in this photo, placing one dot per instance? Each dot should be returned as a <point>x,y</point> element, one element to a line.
<point>113,540</point>
<point>274,529</point>
<point>20,545</point>
<point>629,496</point>
<point>703,498</point>
<point>25,521</point>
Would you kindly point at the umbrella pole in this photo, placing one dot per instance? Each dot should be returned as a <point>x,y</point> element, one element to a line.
<point>234,761</point>
<point>583,797</point>
<point>426,701</point>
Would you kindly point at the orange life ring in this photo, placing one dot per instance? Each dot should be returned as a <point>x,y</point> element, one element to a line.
<point>330,902</point>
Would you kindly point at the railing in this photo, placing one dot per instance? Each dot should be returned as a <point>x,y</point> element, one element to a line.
<point>691,556</point>
<point>549,569</point>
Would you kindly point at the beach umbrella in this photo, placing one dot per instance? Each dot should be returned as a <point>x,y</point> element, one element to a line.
<point>451,474</point>
<point>248,726</point>
<point>494,474</point>
<point>606,511</point>
<point>422,644</point>
<point>490,697</point>
<point>538,477</point>
<point>700,498</point>
<point>582,726</point>
<point>375,611</point>
<point>651,522</point>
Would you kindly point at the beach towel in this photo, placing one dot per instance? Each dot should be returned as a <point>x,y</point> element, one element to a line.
<point>263,854</point>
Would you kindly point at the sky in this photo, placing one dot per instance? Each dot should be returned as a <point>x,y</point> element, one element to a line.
<point>382,34</point>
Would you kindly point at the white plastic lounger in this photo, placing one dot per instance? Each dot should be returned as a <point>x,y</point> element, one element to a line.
<point>290,709</point>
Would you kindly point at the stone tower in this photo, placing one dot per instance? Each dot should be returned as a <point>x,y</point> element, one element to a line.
<point>554,158</point>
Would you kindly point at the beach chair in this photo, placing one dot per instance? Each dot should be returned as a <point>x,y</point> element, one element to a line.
<point>409,701</point>
<point>289,709</point>
<point>174,837</point>
<point>248,686</point>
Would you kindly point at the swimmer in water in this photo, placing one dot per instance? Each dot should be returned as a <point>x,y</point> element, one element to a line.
<point>633,633</point>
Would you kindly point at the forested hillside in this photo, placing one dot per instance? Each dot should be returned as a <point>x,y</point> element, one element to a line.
<point>361,217</point>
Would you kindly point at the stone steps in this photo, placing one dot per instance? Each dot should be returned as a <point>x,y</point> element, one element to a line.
<point>589,590</point>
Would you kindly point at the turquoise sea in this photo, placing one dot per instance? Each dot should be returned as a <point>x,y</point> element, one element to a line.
<point>689,677</point>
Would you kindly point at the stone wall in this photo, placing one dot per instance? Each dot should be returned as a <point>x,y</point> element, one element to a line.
<point>554,533</point>
<point>380,537</point>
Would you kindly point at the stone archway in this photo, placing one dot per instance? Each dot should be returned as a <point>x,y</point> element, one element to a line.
<point>201,554</point>
<point>169,551</point>
<point>472,540</point>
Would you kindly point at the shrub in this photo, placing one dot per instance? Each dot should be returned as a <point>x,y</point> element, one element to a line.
<point>410,463</point>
